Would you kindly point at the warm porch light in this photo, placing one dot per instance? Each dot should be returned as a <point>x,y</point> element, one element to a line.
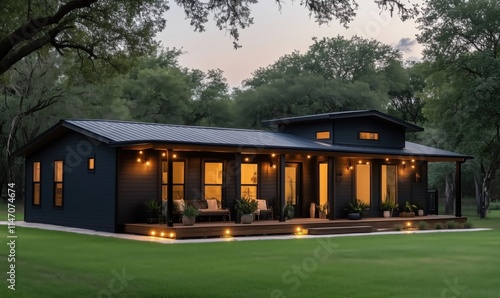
<point>138,160</point>
<point>273,165</point>
<point>309,156</point>
<point>412,160</point>
<point>163,154</point>
<point>162,234</point>
<point>408,225</point>
<point>386,159</point>
<point>299,231</point>
<point>273,155</point>
<point>147,163</point>
<point>367,162</point>
<point>171,235</point>
<point>153,233</point>
<point>140,152</point>
<point>175,155</point>
<point>246,159</point>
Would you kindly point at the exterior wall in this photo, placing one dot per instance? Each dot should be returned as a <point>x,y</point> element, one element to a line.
<point>137,183</point>
<point>407,187</point>
<point>88,198</point>
<point>308,130</point>
<point>346,132</point>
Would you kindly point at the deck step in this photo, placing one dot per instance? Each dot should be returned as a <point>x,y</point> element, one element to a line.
<point>339,230</point>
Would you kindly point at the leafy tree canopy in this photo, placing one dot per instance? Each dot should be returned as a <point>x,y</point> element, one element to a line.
<point>103,30</point>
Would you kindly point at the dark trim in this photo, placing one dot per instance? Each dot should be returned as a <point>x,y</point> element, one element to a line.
<point>170,190</point>
<point>55,183</point>
<point>281,187</point>
<point>331,187</point>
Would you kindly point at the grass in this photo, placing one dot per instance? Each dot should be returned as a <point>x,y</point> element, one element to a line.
<point>59,264</point>
<point>19,212</point>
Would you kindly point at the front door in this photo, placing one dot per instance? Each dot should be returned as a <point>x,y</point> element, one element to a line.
<point>292,185</point>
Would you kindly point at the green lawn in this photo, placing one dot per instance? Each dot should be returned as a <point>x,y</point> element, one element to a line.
<point>59,264</point>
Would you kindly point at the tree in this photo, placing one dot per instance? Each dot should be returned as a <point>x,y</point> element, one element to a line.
<point>462,40</point>
<point>334,74</point>
<point>102,30</point>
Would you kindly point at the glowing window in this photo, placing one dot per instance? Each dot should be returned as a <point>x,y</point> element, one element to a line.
<point>365,135</point>
<point>323,135</point>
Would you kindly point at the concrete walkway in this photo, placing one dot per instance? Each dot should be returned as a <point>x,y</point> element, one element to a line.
<point>247,238</point>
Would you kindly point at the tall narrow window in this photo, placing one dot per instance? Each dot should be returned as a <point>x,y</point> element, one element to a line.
<point>36,183</point>
<point>389,183</point>
<point>323,183</point>
<point>213,180</point>
<point>363,183</point>
<point>58,183</point>
<point>249,180</point>
<point>178,179</point>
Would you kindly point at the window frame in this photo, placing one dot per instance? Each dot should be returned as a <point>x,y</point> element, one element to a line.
<point>370,181</point>
<point>256,184</point>
<point>318,133</point>
<point>221,185</point>
<point>374,133</point>
<point>56,183</point>
<point>165,184</point>
<point>89,169</point>
<point>37,182</point>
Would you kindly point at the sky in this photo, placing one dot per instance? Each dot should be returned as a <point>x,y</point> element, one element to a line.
<point>276,33</point>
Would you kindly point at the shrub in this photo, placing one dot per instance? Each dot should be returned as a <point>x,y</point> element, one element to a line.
<point>422,225</point>
<point>398,228</point>
<point>494,206</point>
<point>467,225</point>
<point>451,224</point>
<point>438,226</point>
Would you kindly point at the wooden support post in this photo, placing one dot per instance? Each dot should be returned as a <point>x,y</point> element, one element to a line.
<point>237,182</point>
<point>331,187</point>
<point>281,181</point>
<point>170,189</point>
<point>458,189</point>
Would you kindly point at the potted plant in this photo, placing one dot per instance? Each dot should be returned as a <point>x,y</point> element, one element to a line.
<point>408,210</point>
<point>189,215</point>
<point>246,207</point>
<point>322,210</point>
<point>289,210</point>
<point>356,208</point>
<point>420,208</point>
<point>388,206</point>
<point>153,208</point>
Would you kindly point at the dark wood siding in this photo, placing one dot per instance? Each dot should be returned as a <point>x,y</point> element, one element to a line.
<point>308,130</point>
<point>137,183</point>
<point>346,132</point>
<point>343,191</point>
<point>88,198</point>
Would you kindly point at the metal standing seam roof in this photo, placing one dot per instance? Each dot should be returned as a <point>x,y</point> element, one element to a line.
<point>126,133</point>
<point>346,114</point>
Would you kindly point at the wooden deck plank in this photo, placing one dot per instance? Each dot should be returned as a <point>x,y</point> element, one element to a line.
<point>274,227</point>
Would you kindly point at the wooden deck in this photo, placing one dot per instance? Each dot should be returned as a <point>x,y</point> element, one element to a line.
<point>274,227</point>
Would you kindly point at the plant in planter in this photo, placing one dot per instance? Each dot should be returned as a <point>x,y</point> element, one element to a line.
<point>246,208</point>
<point>322,209</point>
<point>408,210</point>
<point>189,215</point>
<point>289,210</point>
<point>153,208</point>
<point>356,208</point>
<point>388,207</point>
<point>420,208</point>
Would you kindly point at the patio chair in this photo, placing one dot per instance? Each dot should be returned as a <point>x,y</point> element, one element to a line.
<point>263,209</point>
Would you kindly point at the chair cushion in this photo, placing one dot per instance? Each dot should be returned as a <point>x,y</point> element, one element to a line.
<point>212,204</point>
<point>179,205</point>
<point>262,204</point>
